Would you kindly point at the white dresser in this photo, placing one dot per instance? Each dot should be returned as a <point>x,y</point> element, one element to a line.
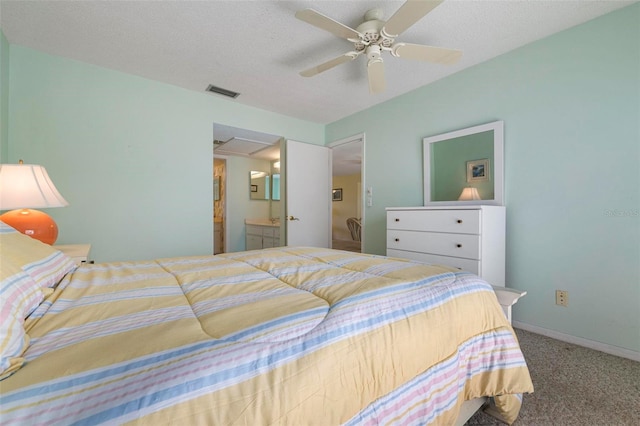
<point>471,238</point>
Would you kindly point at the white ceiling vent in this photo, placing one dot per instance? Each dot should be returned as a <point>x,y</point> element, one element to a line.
<point>220,91</point>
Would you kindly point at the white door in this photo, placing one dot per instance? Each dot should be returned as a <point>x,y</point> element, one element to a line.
<point>308,189</point>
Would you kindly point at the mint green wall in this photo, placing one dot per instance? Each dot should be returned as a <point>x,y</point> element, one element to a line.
<point>132,156</point>
<point>571,108</point>
<point>4,98</point>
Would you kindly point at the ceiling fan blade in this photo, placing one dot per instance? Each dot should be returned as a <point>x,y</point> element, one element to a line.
<point>408,14</point>
<point>323,22</point>
<point>421,52</point>
<point>350,56</point>
<point>375,71</point>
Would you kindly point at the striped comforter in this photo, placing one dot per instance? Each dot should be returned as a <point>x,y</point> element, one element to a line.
<point>279,336</point>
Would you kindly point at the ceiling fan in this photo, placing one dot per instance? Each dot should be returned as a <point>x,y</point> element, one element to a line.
<point>375,36</point>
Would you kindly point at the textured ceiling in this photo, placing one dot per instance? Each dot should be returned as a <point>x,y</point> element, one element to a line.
<point>258,48</point>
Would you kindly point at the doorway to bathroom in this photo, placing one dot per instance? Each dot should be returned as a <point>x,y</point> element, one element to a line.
<point>250,190</point>
<point>219,202</point>
<point>298,203</point>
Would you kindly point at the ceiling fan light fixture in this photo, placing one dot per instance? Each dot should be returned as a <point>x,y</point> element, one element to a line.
<point>373,52</point>
<point>374,36</point>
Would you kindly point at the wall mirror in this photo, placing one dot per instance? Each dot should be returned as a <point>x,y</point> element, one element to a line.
<point>275,187</point>
<point>465,166</point>
<point>259,188</point>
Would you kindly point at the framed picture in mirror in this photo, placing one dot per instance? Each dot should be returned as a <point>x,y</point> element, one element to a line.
<point>478,170</point>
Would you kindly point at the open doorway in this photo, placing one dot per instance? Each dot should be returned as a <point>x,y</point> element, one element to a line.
<point>347,216</point>
<point>219,203</point>
<point>249,188</point>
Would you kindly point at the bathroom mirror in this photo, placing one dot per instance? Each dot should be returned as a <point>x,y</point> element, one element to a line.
<point>465,166</point>
<point>275,187</point>
<point>259,187</point>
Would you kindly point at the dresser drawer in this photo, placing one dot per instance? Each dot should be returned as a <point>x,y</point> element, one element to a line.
<point>454,221</point>
<point>456,245</point>
<point>468,265</point>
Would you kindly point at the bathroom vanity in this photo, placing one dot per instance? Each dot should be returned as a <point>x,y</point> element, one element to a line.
<point>262,233</point>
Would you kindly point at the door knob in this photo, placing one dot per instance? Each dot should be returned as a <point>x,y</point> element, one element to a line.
<point>292,218</point>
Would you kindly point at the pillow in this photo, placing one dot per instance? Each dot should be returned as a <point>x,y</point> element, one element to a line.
<point>18,291</point>
<point>13,343</point>
<point>42,262</point>
<point>19,296</point>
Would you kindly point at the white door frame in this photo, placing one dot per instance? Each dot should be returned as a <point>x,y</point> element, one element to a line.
<point>355,138</point>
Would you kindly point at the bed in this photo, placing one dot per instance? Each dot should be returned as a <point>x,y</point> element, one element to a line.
<point>290,335</point>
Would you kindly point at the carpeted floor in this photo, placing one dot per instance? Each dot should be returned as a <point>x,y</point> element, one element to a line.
<point>346,245</point>
<point>574,386</point>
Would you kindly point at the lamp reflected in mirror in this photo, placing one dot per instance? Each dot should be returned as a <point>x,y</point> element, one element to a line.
<point>469,194</point>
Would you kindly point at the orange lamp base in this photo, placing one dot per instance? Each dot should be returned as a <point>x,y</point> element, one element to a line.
<point>33,223</point>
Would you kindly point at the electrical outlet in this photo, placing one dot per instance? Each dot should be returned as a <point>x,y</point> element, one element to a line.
<point>562,297</point>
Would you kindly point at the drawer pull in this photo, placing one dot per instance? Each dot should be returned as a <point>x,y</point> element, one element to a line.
<point>459,245</point>
<point>397,220</point>
<point>397,240</point>
<point>459,221</point>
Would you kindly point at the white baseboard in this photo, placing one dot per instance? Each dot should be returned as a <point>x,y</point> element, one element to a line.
<point>591,344</point>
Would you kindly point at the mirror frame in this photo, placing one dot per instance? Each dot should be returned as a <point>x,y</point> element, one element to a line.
<point>498,163</point>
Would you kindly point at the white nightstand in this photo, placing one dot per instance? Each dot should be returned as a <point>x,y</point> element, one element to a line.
<point>507,297</point>
<point>78,252</point>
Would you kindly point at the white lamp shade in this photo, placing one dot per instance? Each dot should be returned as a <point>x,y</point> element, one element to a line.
<point>24,186</point>
<point>469,194</point>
